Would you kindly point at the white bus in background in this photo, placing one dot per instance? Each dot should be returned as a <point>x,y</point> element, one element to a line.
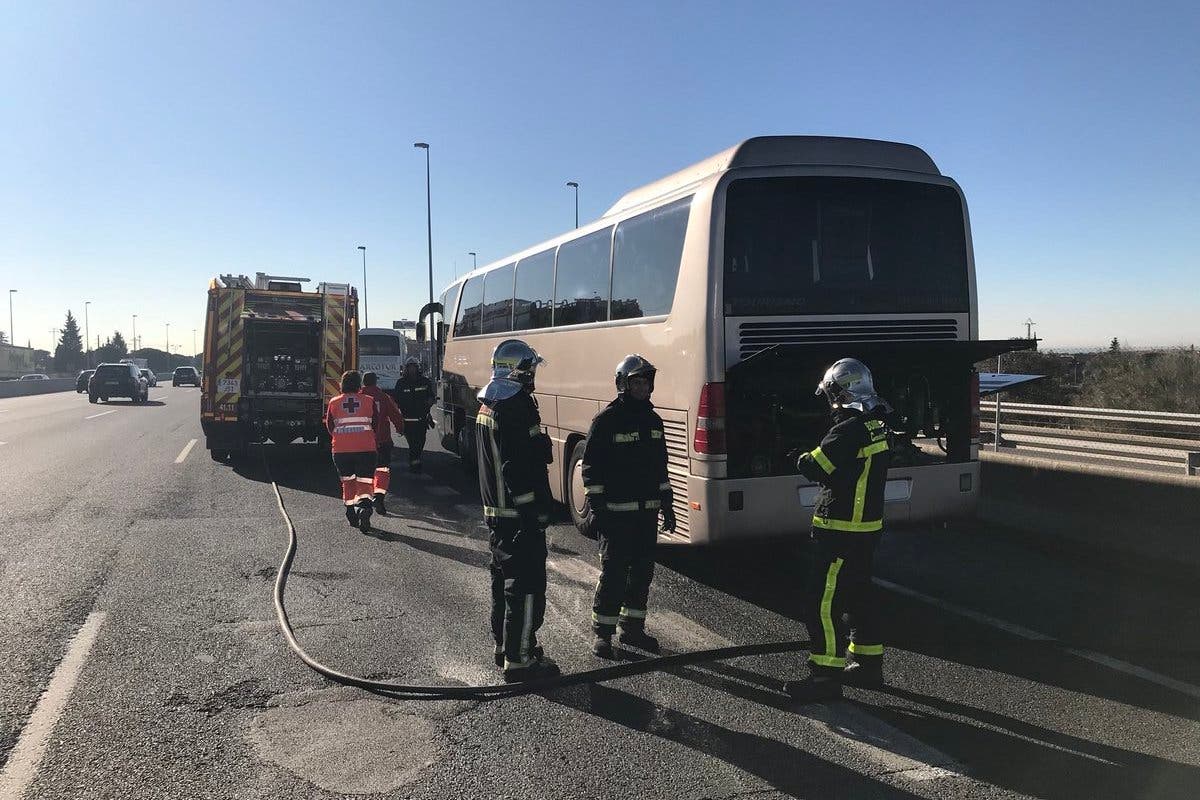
<point>382,351</point>
<point>741,278</point>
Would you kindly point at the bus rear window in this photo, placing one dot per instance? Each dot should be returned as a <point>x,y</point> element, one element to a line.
<point>379,345</point>
<point>817,245</point>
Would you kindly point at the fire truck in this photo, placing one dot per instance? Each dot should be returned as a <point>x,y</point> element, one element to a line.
<point>273,358</point>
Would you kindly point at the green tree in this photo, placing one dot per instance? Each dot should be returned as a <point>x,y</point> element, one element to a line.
<point>68,355</point>
<point>1114,346</point>
<point>3,337</point>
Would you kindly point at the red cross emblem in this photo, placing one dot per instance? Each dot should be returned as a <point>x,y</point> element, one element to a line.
<point>351,404</point>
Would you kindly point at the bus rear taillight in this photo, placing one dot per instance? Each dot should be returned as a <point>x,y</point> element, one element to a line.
<point>710,420</point>
<point>974,410</point>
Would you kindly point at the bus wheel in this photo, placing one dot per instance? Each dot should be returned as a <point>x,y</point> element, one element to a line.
<point>581,512</point>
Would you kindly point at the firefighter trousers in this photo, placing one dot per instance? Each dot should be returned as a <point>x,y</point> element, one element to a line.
<point>627,540</point>
<point>518,571</point>
<point>842,609</point>
<point>414,435</point>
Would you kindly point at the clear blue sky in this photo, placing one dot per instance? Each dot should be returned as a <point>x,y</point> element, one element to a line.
<point>149,146</point>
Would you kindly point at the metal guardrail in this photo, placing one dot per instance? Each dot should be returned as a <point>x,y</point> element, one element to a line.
<point>1146,440</point>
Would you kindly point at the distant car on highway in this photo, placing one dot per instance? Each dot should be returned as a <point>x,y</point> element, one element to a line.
<point>187,375</point>
<point>118,380</point>
<point>151,378</point>
<point>81,382</point>
<point>35,377</point>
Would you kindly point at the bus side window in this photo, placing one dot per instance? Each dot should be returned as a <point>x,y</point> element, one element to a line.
<point>470,308</point>
<point>581,279</point>
<point>646,254</point>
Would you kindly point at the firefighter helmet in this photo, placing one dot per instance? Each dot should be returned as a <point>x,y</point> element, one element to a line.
<point>515,361</point>
<point>632,366</point>
<point>848,384</point>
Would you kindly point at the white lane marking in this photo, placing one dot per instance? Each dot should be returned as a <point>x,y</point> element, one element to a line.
<point>873,739</point>
<point>574,569</point>
<point>3,443</point>
<point>179,459</point>
<point>102,414</point>
<point>1191,690</point>
<point>975,616</point>
<point>24,759</point>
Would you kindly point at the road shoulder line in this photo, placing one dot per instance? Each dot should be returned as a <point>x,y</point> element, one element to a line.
<point>27,755</point>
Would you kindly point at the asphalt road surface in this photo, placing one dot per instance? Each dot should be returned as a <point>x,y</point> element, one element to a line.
<point>139,655</point>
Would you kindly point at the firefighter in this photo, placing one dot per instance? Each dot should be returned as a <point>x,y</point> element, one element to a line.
<point>389,414</point>
<point>352,419</point>
<point>512,455</point>
<point>414,394</point>
<point>625,481</point>
<point>851,467</point>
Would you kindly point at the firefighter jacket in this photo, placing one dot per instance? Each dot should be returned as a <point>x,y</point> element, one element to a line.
<point>351,420</point>
<point>415,397</point>
<point>851,466</point>
<point>512,455</point>
<point>625,459</point>
<point>389,414</point>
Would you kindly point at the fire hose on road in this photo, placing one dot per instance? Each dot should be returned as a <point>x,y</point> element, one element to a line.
<point>414,691</point>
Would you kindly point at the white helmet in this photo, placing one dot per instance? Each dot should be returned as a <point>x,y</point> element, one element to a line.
<point>848,384</point>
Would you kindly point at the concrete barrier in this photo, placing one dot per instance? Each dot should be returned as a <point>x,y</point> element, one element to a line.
<point>23,388</point>
<point>1106,511</point>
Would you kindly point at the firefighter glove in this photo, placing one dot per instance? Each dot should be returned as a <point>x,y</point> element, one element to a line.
<point>668,515</point>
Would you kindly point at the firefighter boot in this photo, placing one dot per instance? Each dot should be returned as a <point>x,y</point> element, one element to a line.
<point>539,668</point>
<point>364,518</point>
<point>822,683</point>
<point>603,646</point>
<point>352,516</point>
<point>865,672</point>
<point>637,637</point>
<point>499,655</point>
<point>380,508</point>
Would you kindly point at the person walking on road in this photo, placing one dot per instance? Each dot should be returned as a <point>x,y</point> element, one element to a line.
<point>512,455</point>
<point>389,414</point>
<point>626,484</point>
<point>414,395</point>
<point>352,419</point>
<point>851,465</point>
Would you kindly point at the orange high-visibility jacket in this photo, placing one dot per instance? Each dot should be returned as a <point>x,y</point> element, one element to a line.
<point>351,421</point>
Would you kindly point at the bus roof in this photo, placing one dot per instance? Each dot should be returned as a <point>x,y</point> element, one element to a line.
<point>774,151</point>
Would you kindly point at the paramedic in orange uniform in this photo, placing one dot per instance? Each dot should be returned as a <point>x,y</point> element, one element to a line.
<point>352,419</point>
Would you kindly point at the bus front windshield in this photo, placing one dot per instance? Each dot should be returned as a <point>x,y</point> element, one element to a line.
<point>822,245</point>
<point>379,345</point>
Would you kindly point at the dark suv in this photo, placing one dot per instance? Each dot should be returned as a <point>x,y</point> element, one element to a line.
<point>118,380</point>
<point>184,375</point>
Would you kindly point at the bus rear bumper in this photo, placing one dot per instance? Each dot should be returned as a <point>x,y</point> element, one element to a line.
<point>733,509</point>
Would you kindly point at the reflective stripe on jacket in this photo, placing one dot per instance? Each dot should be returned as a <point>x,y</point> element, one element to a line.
<point>511,450</point>
<point>351,420</point>
<point>851,466</point>
<point>625,459</point>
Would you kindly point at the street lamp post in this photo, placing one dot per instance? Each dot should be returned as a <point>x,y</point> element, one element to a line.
<point>11,334</point>
<point>574,185</point>
<point>429,235</point>
<point>193,345</point>
<point>366,318</point>
<point>87,334</point>
<point>134,342</point>
<point>168,338</point>
<point>474,261</point>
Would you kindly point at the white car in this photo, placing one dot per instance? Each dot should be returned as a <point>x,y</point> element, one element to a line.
<point>35,377</point>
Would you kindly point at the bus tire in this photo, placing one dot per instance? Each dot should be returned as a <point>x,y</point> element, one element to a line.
<point>577,503</point>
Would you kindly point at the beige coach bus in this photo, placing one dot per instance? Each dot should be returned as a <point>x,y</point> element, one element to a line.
<point>741,278</point>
